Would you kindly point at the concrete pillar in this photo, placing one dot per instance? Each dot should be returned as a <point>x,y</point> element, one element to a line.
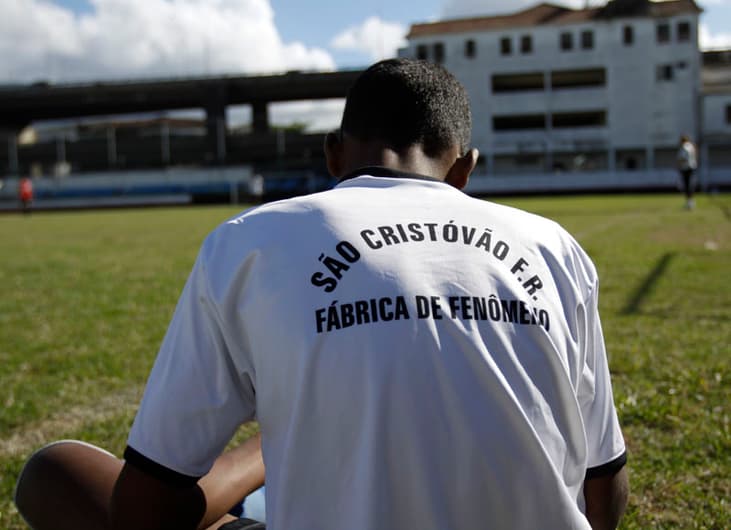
<point>548,142</point>
<point>704,163</point>
<point>548,153</point>
<point>13,164</point>
<point>165,142</point>
<point>650,155</point>
<point>112,147</point>
<point>216,132</point>
<point>60,149</point>
<point>216,123</point>
<point>281,143</point>
<point>611,159</point>
<point>260,117</point>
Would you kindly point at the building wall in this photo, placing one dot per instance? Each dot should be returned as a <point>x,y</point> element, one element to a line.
<point>717,114</point>
<point>716,151</point>
<point>647,98</point>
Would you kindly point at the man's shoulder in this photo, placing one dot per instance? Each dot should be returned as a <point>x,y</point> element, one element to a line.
<point>550,237</point>
<point>270,214</point>
<point>255,226</point>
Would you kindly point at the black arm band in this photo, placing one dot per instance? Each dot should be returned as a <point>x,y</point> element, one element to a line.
<point>160,472</point>
<point>610,468</point>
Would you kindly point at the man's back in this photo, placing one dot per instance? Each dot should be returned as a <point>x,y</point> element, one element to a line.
<point>419,359</point>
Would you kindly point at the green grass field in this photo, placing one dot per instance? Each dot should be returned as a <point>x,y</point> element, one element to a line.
<point>85,298</point>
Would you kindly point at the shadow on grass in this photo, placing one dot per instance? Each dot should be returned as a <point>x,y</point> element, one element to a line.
<point>725,208</point>
<point>726,211</point>
<point>633,304</point>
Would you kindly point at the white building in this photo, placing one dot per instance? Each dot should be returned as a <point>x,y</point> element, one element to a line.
<point>716,111</point>
<point>557,90</point>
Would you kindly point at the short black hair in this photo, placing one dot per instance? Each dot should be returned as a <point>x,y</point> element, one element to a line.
<point>405,102</point>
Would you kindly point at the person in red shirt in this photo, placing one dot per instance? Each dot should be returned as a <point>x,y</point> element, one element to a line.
<point>25,191</point>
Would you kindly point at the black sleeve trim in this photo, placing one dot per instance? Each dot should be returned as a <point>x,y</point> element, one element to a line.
<point>609,468</point>
<point>158,471</point>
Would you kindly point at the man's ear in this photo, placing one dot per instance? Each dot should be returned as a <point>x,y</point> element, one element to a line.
<point>334,154</point>
<point>459,173</point>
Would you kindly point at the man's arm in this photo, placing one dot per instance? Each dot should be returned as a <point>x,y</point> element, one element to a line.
<point>142,500</point>
<point>235,474</point>
<point>145,502</point>
<point>606,499</point>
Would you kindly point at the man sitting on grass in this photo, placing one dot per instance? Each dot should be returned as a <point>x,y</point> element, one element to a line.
<point>416,358</point>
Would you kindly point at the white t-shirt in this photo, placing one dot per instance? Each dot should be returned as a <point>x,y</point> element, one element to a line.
<point>687,156</point>
<point>416,358</point>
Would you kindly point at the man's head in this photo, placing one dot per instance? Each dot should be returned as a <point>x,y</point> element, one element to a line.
<point>408,115</point>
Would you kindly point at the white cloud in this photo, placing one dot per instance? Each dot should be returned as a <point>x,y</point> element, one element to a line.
<point>29,32</point>
<point>142,38</point>
<point>317,115</point>
<point>375,37</point>
<point>713,41</point>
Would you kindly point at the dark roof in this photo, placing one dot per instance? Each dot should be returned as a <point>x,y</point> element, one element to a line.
<point>550,14</point>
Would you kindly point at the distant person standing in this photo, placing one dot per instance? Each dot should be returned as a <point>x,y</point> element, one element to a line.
<point>25,193</point>
<point>687,164</point>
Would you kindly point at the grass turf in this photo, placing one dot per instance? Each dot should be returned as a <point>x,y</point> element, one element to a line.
<point>85,298</point>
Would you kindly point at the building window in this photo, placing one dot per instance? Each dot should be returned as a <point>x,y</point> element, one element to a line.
<point>506,46</point>
<point>683,31</point>
<point>519,122</point>
<point>587,78</point>
<point>565,120</point>
<point>628,35</point>
<point>663,32</point>
<point>587,40</point>
<point>526,44</point>
<point>517,82</point>
<point>422,53</point>
<point>665,72</point>
<point>567,41</point>
<point>469,48</point>
<point>439,52</point>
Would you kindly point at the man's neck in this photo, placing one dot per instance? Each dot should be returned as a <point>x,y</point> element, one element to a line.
<point>411,160</point>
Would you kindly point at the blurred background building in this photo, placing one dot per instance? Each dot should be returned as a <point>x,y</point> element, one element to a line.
<point>605,89</point>
<point>563,99</point>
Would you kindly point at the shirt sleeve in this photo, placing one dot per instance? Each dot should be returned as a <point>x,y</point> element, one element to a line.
<point>196,395</point>
<point>605,443</point>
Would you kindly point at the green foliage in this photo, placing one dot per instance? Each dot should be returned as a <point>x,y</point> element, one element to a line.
<point>86,297</point>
